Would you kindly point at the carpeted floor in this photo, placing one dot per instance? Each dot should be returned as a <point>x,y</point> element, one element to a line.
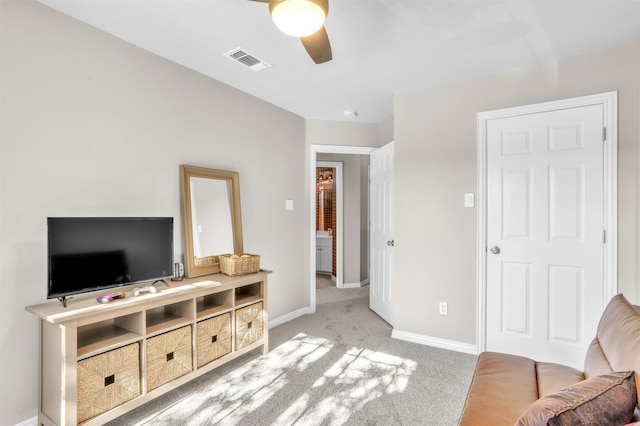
<point>336,367</point>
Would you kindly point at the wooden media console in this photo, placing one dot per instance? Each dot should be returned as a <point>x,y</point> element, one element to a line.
<point>99,361</point>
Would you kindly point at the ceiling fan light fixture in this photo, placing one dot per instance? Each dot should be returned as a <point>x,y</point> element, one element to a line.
<point>298,18</point>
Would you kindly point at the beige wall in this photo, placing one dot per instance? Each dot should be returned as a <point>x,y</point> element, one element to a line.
<point>91,125</point>
<point>386,131</point>
<point>435,164</point>
<point>348,133</point>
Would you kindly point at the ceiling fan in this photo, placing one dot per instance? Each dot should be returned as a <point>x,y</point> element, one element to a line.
<point>303,19</point>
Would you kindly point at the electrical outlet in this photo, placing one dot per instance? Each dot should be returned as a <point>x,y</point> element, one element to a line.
<point>443,308</point>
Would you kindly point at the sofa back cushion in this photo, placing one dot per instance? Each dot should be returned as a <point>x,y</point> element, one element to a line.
<point>617,343</point>
<point>595,362</point>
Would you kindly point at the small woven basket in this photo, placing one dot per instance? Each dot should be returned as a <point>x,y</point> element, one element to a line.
<point>168,357</point>
<point>241,264</point>
<point>249,325</point>
<point>205,261</point>
<point>108,380</point>
<point>214,338</point>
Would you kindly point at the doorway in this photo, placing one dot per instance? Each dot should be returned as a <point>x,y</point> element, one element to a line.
<point>547,226</point>
<point>329,222</point>
<point>315,151</point>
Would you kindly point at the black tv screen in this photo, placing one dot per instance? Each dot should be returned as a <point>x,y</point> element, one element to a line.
<point>93,253</point>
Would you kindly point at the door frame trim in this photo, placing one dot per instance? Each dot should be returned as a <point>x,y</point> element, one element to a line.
<point>311,181</point>
<point>609,101</point>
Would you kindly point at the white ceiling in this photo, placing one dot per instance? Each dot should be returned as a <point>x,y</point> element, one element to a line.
<point>380,47</point>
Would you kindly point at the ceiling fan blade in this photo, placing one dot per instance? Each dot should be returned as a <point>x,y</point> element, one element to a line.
<point>318,46</point>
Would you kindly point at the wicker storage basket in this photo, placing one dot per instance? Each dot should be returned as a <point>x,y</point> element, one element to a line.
<point>249,325</point>
<point>108,380</point>
<point>214,338</point>
<point>243,264</point>
<point>168,357</point>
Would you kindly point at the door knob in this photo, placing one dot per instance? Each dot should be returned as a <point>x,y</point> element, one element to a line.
<point>495,249</point>
<point>390,243</point>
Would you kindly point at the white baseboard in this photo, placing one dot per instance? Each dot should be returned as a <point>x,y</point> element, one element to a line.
<point>31,422</point>
<point>436,342</point>
<point>288,317</point>
<point>356,285</point>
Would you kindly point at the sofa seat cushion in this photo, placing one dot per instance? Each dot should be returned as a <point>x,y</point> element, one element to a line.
<point>503,387</point>
<point>552,377</point>
<point>609,399</point>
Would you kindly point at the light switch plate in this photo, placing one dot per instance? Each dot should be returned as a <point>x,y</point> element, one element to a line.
<point>469,200</point>
<point>289,204</point>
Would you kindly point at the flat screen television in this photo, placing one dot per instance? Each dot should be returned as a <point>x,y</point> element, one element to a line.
<point>94,253</point>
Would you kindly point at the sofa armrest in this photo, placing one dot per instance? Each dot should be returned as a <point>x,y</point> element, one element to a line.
<point>497,375</point>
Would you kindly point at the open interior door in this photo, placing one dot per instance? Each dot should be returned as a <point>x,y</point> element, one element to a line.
<point>381,230</point>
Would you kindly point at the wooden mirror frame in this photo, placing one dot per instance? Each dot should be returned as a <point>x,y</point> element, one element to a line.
<point>233,181</point>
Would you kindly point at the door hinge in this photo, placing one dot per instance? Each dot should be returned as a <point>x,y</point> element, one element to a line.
<point>604,134</point>
<point>604,236</point>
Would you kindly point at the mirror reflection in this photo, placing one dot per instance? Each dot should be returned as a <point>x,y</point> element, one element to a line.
<point>212,230</point>
<point>211,217</point>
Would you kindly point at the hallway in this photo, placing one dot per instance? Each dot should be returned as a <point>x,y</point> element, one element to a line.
<point>323,281</point>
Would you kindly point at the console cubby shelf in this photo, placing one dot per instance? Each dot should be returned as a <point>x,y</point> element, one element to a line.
<point>168,317</point>
<point>109,334</point>
<point>248,294</point>
<point>71,337</point>
<point>214,304</point>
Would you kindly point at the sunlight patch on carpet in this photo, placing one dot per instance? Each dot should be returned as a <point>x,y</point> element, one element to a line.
<point>307,380</point>
<point>357,378</point>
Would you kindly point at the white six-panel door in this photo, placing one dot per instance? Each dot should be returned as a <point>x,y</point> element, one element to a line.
<point>545,224</point>
<point>381,231</point>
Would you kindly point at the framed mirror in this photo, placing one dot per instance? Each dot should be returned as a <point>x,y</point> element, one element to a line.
<point>211,217</point>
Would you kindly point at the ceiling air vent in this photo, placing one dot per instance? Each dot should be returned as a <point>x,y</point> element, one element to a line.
<point>248,60</point>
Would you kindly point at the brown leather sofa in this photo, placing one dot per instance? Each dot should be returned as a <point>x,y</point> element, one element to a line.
<point>509,389</point>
